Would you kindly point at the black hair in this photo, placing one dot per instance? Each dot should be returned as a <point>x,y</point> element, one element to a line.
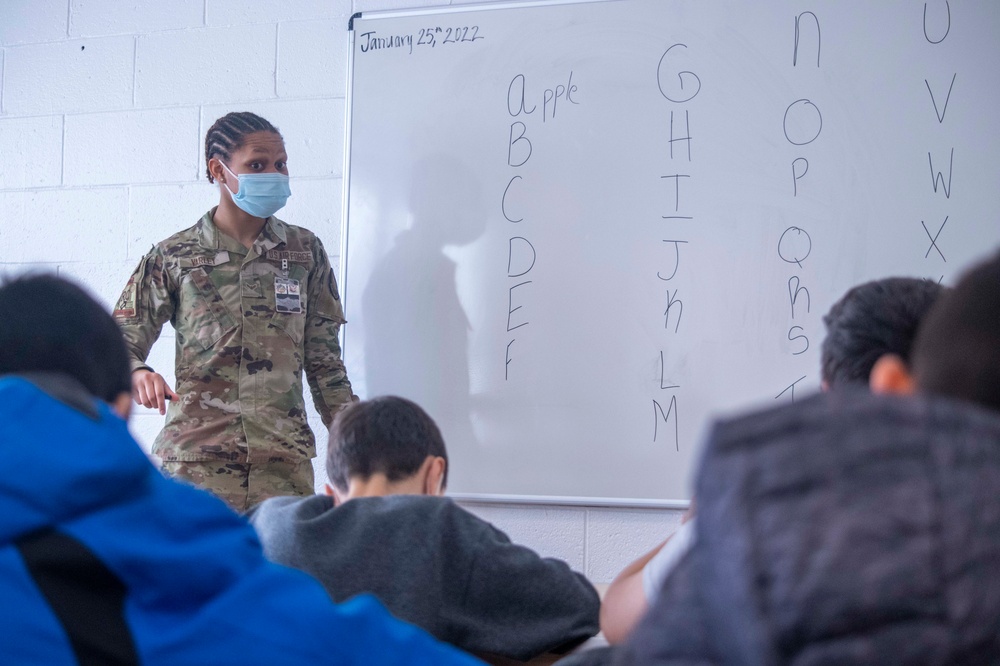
<point>957,350</point>
<point>873,319</point>
<point>48,324</point>
<point>228,134</point>
<point>389,434</point>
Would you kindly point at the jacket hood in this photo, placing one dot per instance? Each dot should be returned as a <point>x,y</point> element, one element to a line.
<point>86,476</point>
<point>59,461</point>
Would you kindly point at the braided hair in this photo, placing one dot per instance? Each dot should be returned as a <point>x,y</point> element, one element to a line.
<point>228,133</point>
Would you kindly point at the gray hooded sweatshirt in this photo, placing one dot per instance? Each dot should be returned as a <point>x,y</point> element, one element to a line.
<point>436,565</point>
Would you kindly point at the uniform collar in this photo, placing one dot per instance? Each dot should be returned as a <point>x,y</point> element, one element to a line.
<point>271,236</point>
<point>209,236</point>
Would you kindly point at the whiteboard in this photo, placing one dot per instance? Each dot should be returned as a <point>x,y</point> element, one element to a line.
<point>576,232</point>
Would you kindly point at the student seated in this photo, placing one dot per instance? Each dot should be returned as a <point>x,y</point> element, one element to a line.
<point>852,528</point>
<point>105,561</point>
<point>870,321</point>
<point>630,594</point>
<point>384,528</point>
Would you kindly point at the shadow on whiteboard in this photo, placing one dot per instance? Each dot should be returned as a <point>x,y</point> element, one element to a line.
<point>416,330</point>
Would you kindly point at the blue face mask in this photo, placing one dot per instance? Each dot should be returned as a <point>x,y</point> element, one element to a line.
<point>260,194</point>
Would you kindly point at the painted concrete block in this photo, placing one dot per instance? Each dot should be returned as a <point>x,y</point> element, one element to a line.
<point>205,66</point>
<point>616,537</point>
<point>200,66</point>
<point>67,226</point>
<point>31,150</point>
<point>73,76</point>
<point>144,426</point>
<point>12,270</point>
<point>31,21</point>
<point>13,217</point>
<point>317,465</point>
<point>312,58</point>
<point>160,145</point>
<point>315,205</point>
<point>235,12</point>
<point>549,531</point>
<point>313,132</point>
<point>156,212</point>
<point>319,462</point>
<point>103,279</point>
<point>311,412</point>
<point>379,5</point>
<point>112,17</point>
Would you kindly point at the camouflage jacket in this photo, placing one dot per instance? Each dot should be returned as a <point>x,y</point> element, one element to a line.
<point>247,324</point>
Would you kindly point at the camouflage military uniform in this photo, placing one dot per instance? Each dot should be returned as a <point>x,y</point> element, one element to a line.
<point>247,324</point>
<point>244,485</point>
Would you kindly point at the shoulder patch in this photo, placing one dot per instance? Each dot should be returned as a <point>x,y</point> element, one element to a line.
<point>333,287</point>
<point>125,307</point>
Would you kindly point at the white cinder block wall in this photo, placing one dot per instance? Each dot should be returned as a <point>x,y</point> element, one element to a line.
<point>103,109</point>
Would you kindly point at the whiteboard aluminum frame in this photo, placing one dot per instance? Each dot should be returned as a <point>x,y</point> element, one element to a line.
<point>455,9</point>
<point>468,498</point>
<point>559,500</point>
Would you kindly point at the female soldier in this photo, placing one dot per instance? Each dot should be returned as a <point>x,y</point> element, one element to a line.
<point>253,302</point>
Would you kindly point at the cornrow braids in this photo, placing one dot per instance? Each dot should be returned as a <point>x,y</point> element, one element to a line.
<point>228,133</point>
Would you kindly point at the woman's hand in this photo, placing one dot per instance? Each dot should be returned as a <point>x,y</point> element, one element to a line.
<point>150,389</point>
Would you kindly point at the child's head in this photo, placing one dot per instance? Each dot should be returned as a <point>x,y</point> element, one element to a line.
<point>871,320</point>
<point>391,439</point>
<point>48,324</point>
<point>957,351</point>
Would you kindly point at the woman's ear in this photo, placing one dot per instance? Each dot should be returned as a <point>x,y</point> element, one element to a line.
<point>218,172</point>
<point>890,375</point>
<point>434,479</point>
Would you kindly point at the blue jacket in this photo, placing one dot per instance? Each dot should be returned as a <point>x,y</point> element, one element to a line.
<point>105,561</point>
